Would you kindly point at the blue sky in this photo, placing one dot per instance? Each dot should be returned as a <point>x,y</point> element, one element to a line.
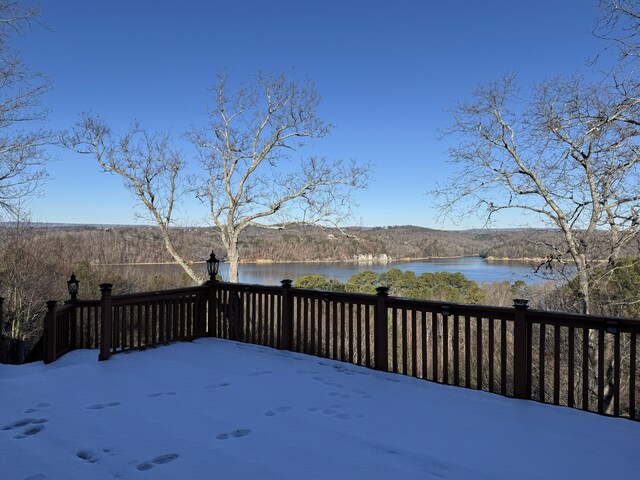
<point>387,72</point>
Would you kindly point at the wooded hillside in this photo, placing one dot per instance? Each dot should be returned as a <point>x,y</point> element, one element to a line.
<point>142,244</point>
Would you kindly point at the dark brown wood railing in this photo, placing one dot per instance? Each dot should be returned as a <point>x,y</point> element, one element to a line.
<point>58,330</point>
<point>333,325</point>
<point>88,324</point>
<point>140,321</point>
<point>579,361</point>
<point>248,313</point>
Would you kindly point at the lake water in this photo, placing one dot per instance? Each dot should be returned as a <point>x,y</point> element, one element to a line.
<point>473,268</point>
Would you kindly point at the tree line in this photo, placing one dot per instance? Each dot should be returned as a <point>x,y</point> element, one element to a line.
<point>145,244</point>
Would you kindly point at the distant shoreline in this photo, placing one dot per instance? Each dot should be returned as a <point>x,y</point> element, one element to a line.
<point>285,262</point>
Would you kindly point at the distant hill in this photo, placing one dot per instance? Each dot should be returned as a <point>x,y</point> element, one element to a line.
<point>108,244</point>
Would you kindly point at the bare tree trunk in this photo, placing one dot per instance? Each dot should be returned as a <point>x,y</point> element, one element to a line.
<point>178,258</point>
<point>233,257</point>
<point>583,288</point>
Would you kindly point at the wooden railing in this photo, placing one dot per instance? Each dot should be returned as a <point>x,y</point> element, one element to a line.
<point>579,361</point>
<point>58,330</point>
<point>144,320</point>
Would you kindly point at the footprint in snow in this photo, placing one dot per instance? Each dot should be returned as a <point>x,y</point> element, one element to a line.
<point>333,384</point>
<point>88,456</point>
<point>275,411</point>
<point>23,422</point>
<point>37,407</point>
<point>261,372</point>
<point>161,394</point>
<point>100,406</point>
<point>362,393</point>
<point>30,432</point>
<point>34,426</point>
<point>341,396</point>
<point>93,457</point>
<point>217,385</point>
<point>159,460</point>
<point>334,411</point>
<point>243,432</point>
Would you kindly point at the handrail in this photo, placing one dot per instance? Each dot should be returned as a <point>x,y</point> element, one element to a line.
<point>153,294</point>
<point>87,303</point>
<point>67,307</point>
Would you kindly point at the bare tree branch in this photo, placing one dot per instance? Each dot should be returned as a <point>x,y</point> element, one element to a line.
<point>250,174</point>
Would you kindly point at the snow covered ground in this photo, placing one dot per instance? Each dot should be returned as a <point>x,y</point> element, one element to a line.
<point>215,409</point>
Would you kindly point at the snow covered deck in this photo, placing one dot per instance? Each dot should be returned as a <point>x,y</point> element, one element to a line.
<point>216,409</point>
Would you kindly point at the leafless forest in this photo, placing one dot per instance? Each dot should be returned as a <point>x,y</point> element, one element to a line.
<point>140,244</point>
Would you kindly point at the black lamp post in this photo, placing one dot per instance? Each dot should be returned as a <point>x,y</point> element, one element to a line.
<point>213,264</point>
<point>521,303</point>
<point>72,286</point>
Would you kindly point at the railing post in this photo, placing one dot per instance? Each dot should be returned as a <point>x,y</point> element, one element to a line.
<point>212,314</point>
<point>235,315</point>
<point>286,320</point>
<point>520,352</point>
<point>201,331</point>
<point>50,340</point>
<point>73,324</point>
<point>105,327</point>
<point>72,287</point>
<point>73,319</point>
<point>381,344</point>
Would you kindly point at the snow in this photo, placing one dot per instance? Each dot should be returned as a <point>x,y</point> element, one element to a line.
<point>219,409</point>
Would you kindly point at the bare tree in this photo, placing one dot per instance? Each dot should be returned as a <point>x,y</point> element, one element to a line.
<point>22,157</point>
<point>569,157</point>
<point>30,272</point>
<point>24,286</point>
<point>148,165</point>
<point>21,150</point>
<point>249,174</point>
<point>252,176</point>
